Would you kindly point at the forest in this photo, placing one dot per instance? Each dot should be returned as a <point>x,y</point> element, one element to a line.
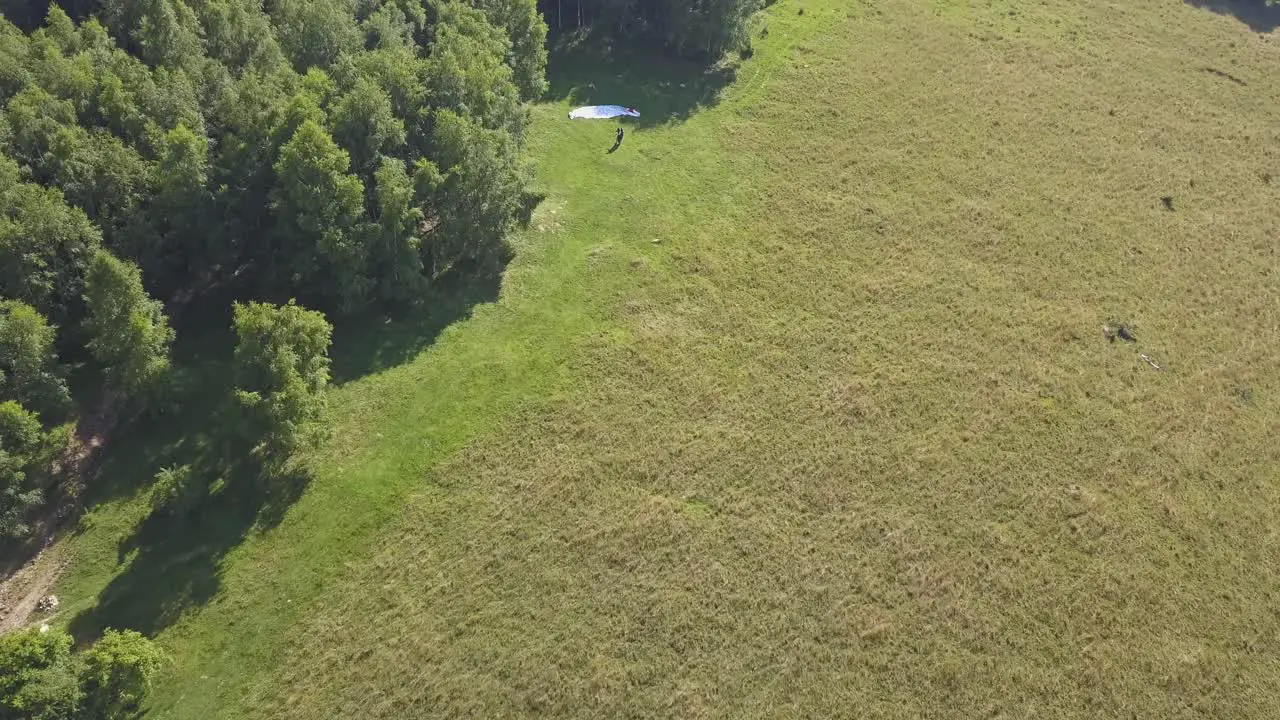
<point>285,163</point>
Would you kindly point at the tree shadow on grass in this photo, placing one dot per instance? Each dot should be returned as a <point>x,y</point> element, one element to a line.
<point>184,428</point>
<point>174,557</point>
<point>178,431</point>
<point>588,70</point>
<point>172,560</point>
<point>1259,16</point>
<point>380,339</point>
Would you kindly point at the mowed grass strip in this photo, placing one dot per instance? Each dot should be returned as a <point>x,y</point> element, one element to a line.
<point>849,441</point>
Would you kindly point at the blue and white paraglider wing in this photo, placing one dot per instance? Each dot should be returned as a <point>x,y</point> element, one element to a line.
<point>602,112</point>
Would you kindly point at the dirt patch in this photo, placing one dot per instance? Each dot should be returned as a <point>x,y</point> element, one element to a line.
<point>21,589</point>
<point>20,593</point>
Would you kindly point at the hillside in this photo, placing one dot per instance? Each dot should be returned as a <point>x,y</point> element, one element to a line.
<point>799,404</point>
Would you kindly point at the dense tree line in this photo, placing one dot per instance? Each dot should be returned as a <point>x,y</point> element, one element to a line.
<point>311,149</point>
<point>704,28</point>
<point>335,152</point>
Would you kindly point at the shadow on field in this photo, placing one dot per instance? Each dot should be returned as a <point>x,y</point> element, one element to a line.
<point>588,71</point>
<point>1259,16</point>
<point>176,556</point>
<point>173,558</point>
<point>378,340</point>
<point>173,555</point>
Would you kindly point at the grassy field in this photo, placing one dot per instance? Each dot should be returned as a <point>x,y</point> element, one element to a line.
<point>800,405</point>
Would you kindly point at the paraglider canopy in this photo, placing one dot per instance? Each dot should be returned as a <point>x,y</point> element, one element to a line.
<point>602,112</point>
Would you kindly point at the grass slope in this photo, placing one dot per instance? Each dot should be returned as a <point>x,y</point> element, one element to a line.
<point>848,440</point>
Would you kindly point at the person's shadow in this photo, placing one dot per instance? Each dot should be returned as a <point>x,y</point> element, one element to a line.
<point>616,144</point>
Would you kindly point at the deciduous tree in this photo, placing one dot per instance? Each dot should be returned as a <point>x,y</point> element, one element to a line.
<point>29,371</point>
<point>20,443</point>
<point>128,331</point>
<point>38,676</point>
<point>116,673</point>
<point>282,369</point>
<point>317,205</point>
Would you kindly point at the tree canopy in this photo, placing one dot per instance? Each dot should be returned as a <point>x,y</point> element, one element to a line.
<point>213,141</point>
<point>20,441</point>
<point>129,334</point>
<point>281,366</point>
<point>42,678</point>
<point>160,153</point>
<point>704,28</point>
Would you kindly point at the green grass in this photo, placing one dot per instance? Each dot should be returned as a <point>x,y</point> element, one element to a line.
<point>847,440</point>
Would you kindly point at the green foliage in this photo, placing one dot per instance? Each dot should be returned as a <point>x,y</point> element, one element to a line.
<point>20,430</point>
<point>393,25</point>
<point>38,676</point>
<point>166,33</point>
<point>45,246</point>
<point>690,27</point>
<point>52,693</point>
<point>776,316</point>
<point>29,371</point>
<point>16,500</point>
<point>397,71</point>
<point>27,454</point>
<point>313,33</point>
<point>364,123</point>
<point>191,153</point>
<point>128,331</point>
<point>175,246</point>
<point>178,135</point>
<point>238,34</point>
<point>117,671</point>
<point>177,491</point>
<point>26,350</point>
<point>318,205</point>
<point>395,248</point>
<point>475,195</point>
<point>281,368</point>
<point>527,34</point>
<point>30,379</point>
<point>20,441</point>
<point>466,70</point>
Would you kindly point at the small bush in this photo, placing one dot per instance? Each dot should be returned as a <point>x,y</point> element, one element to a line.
<point>117,672</point>
<point>38,676</point>
<point>176,492</point>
